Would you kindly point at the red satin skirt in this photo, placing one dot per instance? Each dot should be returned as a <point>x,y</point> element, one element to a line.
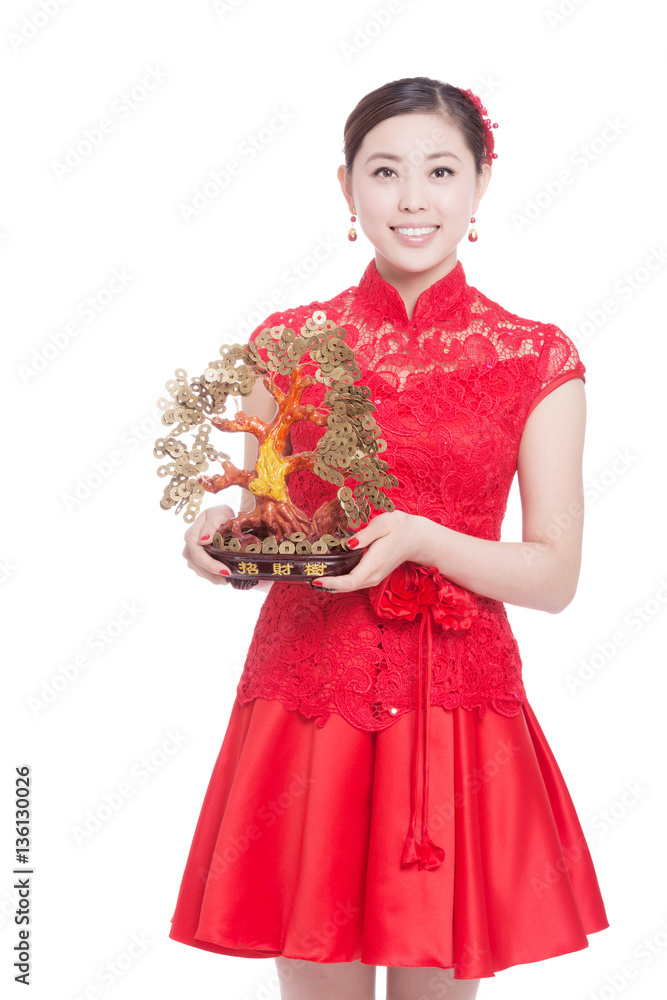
<point>297,850</point>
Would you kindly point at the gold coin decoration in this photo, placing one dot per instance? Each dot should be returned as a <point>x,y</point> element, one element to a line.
<point>348,449</point>
<point>326,545</point>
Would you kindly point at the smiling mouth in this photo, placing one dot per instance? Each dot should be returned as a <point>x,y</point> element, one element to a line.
<point>409,231</point>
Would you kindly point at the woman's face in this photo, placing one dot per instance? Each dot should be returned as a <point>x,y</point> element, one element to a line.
<point>413,172</point>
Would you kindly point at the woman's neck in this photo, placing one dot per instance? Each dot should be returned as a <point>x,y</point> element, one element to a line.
<point>410,284</point>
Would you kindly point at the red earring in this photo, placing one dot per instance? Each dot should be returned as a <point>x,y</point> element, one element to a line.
<point>472,235</point>
<point>352,234</point>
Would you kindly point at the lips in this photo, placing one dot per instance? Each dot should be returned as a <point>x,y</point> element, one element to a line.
<point>416,236</point>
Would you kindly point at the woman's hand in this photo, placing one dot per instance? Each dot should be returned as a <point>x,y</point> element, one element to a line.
<point>389,539</point>
<point>198,535</point>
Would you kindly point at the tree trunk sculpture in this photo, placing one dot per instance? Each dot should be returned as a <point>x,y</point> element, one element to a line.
<point>274,513</point>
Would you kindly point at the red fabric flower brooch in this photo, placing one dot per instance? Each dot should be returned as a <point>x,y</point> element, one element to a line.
<point>412,589</point>
<point>409,591</point>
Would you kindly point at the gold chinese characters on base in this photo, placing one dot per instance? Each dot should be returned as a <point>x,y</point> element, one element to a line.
<point>294,560</point>
<point>276,539</point>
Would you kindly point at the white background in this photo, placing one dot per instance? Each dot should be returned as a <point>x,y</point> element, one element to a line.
<point>552,81</point>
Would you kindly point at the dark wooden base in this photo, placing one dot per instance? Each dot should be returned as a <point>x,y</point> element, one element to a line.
<point>248,568</point>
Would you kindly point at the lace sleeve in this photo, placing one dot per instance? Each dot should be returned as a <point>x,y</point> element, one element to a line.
<point>558,362</point>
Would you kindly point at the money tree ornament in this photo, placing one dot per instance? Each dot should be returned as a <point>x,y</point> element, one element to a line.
<point>276,539</point>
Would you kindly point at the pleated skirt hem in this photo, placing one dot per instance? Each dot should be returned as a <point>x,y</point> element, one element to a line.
<point>298,846</point>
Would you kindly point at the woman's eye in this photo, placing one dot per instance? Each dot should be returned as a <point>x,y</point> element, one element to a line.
<point>381,170</point>
<point>443,171</point>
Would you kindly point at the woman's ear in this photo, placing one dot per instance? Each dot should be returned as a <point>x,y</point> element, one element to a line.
<point>483,181</point>
<point>346,185</point>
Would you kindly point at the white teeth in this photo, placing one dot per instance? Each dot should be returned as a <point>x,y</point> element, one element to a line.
<point>416,232</point>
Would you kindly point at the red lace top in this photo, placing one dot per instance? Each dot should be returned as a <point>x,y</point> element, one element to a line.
<point>453,387</point>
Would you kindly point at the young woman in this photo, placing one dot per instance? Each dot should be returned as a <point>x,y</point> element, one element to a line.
<point>384,794</point>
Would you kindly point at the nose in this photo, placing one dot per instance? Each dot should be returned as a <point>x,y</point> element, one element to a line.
<point>413,195</point>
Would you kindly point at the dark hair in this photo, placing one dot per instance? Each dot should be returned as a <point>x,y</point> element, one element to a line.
<point>423,95</point>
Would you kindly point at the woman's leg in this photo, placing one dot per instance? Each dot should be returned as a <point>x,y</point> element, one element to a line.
<point>428,983</point>
<point>302,980</point>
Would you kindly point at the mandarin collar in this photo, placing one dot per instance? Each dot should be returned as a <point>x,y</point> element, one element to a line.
<point>445,303</point>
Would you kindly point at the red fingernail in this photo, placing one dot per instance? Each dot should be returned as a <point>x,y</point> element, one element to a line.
<point>225,572</point>
<point>352,543</point>
<point>317,583</point>
<point>204,538</point>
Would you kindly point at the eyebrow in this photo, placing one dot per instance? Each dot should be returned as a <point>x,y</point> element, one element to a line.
<point>392,156</point>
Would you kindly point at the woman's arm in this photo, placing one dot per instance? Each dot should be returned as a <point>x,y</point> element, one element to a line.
<point>258,403</point>
<point>540,572</point>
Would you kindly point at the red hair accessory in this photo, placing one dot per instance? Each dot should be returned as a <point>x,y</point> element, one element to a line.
<point>488,138</point>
